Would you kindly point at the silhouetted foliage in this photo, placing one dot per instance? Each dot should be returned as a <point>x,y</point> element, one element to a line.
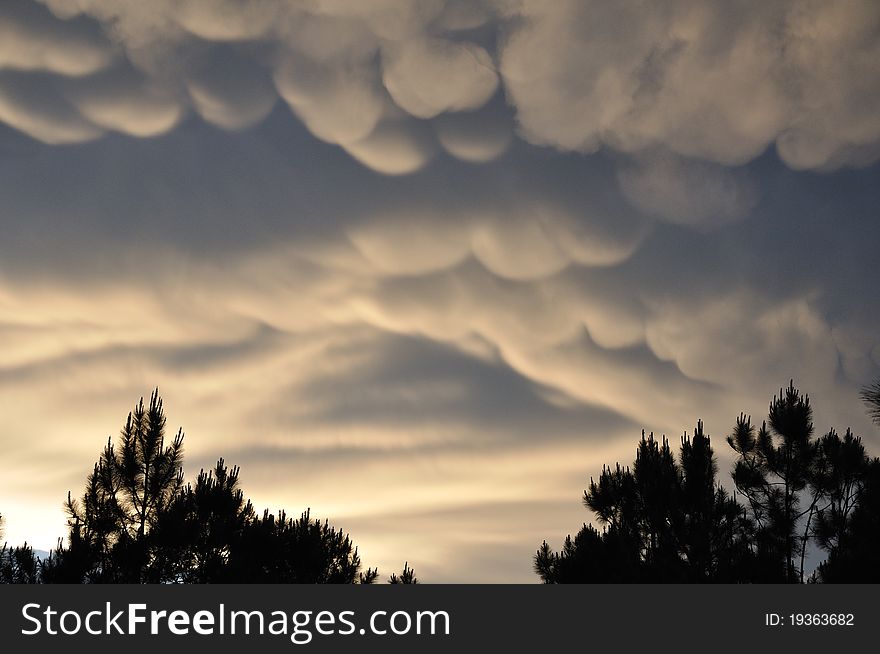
<point>773,469</point>
<point>201,526</point>
<point>407,576</point>
<point>663,521</point>
<point>278,549</point>
<point>137,522</point>
<point>668,521</point>
<point>18,565</point>
<point>871,396</point>
<point>800,490</point>
<point>110,528</point>
<point>855,558</point>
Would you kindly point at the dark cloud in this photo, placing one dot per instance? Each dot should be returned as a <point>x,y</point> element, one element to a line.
<point>407,382</point>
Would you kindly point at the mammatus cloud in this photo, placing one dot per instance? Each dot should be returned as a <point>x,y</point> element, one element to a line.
<point>37,108</point>
<point>126,104</point>
<point>338,104</point>
<point>476,137</point>
<point>426,77</point>
<point>710,83</point>
<point>32,40</point>
<point>686,191</point>
<point>427,265</point>
<point>719,82</point>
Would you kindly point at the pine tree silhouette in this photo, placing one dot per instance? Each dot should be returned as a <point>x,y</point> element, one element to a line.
<point>855,559</point>
<point>800,490</point>
<point>138,523</point>
<point>871,396</point>
<point>664,520</point>
<point>407,576</point>
<point>109,537</point>
<point>277,549</point>
<point>772,471</point>
<point>18,565</point>
<point>196,534</point>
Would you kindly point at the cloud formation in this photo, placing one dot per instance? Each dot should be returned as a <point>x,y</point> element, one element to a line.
<point>426,266</point>
<point>686,191</point>
<point>719,82</point>
<point>32,40</point>
<point>712,83</point>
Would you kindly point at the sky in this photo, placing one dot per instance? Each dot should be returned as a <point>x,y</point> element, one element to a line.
<point>424,267</point>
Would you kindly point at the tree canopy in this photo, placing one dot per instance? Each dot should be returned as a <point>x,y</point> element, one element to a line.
<point>871,397</point>
<point>663,520</point>
<point>668,520</point>
<point>18,565</point>
<point>138,522</point>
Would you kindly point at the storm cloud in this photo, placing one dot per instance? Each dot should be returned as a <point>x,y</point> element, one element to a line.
<point>426,266</point>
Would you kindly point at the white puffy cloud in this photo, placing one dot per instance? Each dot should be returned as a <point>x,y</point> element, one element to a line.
<point>736,338</point>
<point>713,82</point>
<point>31,39</point>
<point>411,243</point>
<point>531,238</point>
<point>35,107</point>
<point>429,76</point>
<point>231,92</point>
<point>339,104</point>
<point>394,147</point>
<point>476,137</point>
<point>227,20</point>
<point>706,83</point>
<point>517,247</point>
<point>125,103</point>
<point>388,19</point>
<point>539,239</point>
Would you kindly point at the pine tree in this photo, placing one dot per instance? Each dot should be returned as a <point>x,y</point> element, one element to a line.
<point>201,526</point>
<point>129,488</point>
<point>662,521</point>
<point>837,481</point>
<point>853,540</point>
<point>278,549</point>
<point>408,576</point>
<point>773,470</point>
<point>18,565</point>
<point>136,522</point>
<point>871,396</point>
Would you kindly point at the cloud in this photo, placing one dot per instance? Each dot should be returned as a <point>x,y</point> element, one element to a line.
<point>124,102</point>
<point>531,239</point>
<point>338,104</point>
<point>475,250</point>
<point>537,240</point>
<point>394,147</point>
<point>426,77</point>
<point>410,243</point>
<point>34,106</point>
<point>755,333</point>
<point>686,191</point>
<point>710,85</point>
<point>707,82</point>
<point>475,137</point>
<point>227,20</point>
<point>231,91</point>
<point>31,39</point>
